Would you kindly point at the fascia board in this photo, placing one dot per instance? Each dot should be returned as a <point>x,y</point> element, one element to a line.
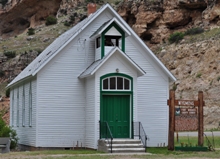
<point>141,72</point>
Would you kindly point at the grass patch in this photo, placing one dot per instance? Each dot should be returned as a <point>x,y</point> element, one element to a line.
<point>193,141</point>
<point>205,35</point>
<point>55,152</point>
<point>2,88</point>
<point>162,152</point>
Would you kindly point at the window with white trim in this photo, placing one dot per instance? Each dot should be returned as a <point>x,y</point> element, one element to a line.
<point>116,83</point>
<point>30,105</point>
<point>18,107</point>
<point>23,107</point>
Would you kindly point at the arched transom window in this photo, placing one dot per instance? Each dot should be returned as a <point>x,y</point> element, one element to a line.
<point>116,83</point>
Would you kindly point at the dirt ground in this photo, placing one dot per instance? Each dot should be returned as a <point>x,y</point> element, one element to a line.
<point>91,156</point>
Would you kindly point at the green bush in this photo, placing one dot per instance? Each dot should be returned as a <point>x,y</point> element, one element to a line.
<point>198,75</point>
<point>117,2</point>
<point>3,2</point>
<point>176,37</point>
<point>6,131</point>
<point>2,73</point>
<point>51,20</point>
<point>10,54</point>
<point>66,23</point>
<point>7,92</point>
<point>31,31</point>
<point>193,31</point>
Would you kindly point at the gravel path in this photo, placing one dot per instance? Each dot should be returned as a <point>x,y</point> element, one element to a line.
<point>85,156</point>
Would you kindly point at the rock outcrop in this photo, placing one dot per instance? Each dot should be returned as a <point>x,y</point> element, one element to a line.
<point>154,21</point>
<point>18,15</point>
<point>196,65</point>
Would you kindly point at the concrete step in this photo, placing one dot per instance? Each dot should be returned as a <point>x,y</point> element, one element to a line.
<point>124,141</point>
<point>121,146</point>
<point>125,145</point>
<point>123,150</point>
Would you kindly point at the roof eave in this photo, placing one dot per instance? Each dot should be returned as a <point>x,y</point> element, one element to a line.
<point>140,71</point>
<point>20,81</point>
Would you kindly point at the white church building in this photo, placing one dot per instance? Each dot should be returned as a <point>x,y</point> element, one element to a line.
<point>98,71</point>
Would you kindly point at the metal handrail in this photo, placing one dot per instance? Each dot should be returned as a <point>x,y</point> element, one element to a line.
<point>140,133</point>
<point>210,146</point>
<point>107,130</point>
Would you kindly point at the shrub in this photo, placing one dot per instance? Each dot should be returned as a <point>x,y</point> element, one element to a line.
<point>3,2</point>
<point>72,18</point>
<point>90,1</point>
<point>117,2</point>
<point>2,73</point>
<point>31,31</point>
<point>66,23</point>
<point>176,37</point>
<point>51,20</point>
<point>193,31</point>
<point>218,78</point>
<point>6,131</point>
<point>198,75</point>
<point>10,54</point>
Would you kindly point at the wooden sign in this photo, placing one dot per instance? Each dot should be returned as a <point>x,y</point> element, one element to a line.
<point>185,102</point>
<point>192,112</point>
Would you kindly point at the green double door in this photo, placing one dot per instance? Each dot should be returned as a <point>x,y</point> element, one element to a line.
<point>116,111</point>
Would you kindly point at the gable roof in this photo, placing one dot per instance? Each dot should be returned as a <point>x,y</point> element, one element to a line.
<point>53,49</point>
<point>91,70</point>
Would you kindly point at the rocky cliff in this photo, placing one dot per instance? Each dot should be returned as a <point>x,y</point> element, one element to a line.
<point>195,61</point>
<point>18,15</point>
<point>155,20</point>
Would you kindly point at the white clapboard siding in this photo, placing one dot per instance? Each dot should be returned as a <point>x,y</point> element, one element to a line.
<point>152,98</point>
<point>61,100</point>
<point>110,67</point>
<point>90,113</point>
<point>26,133</point>
<point>61,94</point>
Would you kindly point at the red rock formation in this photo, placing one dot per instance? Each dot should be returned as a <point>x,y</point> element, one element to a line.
<point>22,14</point>
<point>154,21</point>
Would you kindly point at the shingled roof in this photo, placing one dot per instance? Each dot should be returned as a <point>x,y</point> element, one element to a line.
<point>55,47</point>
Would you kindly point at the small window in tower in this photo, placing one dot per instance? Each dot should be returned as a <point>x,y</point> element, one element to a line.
<point>112,40</point>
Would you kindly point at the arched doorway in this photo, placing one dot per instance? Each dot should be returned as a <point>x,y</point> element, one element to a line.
<point>116,103</point>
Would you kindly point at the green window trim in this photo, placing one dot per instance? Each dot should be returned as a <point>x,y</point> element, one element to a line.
<point>123,85</point>
<point>103,92</point>
<point>103,38</point>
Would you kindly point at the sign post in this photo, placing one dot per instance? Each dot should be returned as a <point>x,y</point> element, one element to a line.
<point>185,103</point>
<point>171,120</point>
<point>200,131</point>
